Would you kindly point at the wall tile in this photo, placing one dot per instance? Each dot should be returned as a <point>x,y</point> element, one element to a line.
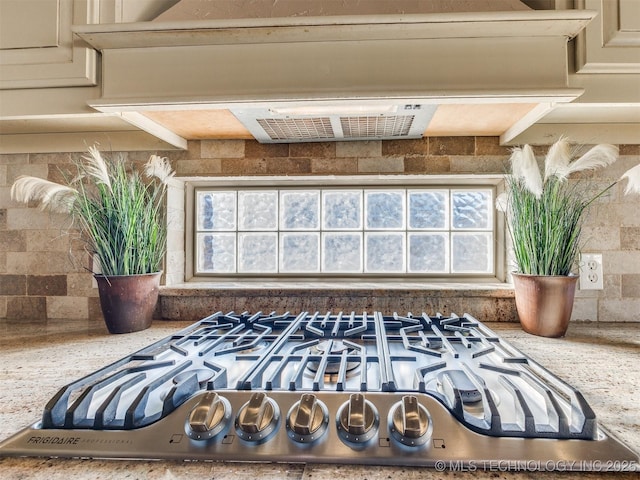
<point>631,285</point>
<point>419,147</point>
<point>630,238</point>
<point>623,262</point>
<point>81,284</point>
<point>490,146</point>
<point>138,158</point>
<point>371,148</point>
<point>614,171</point>
<point>596,217</point>
<point>540,150</point>
<point>14,171</point>
<point>452,145</point>
<point>628,213</point>
<point>612,286</point>
<point>22,218</point>
<point>222,148</point>
<point>52,241</point>
<point>49,158</point>
<point>585,309</point>
<point>26,308</point>
<point>313,149</point>
<point>195,148</point>
<point>14,158</point>
<point>288,166</point>
<point>427,164</point>
<point>13,284</point>
<point>624,310</point>
<point>336,166</point>
<point>253,149</point>
<point>3,218</point>
<point>586,293</point>
<point>629,149</point>
<point>597,239</point>
<point>174,156</point>
<point>95,311</point>
<point>13,240</point>
<point>5,199</point>
<point>67,308</point>
<point>47,285</point>
<point>381,165</point>
<point>209,166</point>
<point>60,173</point>
<point>40,262</point>
<point>3,175</point>
<point>467,164</point>
<point>244,166</point>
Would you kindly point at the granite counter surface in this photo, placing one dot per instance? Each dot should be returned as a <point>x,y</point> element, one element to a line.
<point>37,358</point>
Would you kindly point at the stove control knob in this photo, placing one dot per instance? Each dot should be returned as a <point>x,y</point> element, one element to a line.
<point>308,419</point>
<point>357,420</point>
<point>258,418</point>
<point>410,422</point>
<point>209,417</point>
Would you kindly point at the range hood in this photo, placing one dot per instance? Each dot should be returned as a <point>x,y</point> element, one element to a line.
<point>293,71</point>
<point>347,121</point>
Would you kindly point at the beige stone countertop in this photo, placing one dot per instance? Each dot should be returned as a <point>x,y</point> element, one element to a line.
<point>37,358</point>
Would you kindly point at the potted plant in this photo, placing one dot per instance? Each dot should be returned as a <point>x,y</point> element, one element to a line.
<point>120,214</point>
<point>545,212</point>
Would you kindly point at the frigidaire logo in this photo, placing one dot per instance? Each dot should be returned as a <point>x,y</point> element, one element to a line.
<point>51,440</point>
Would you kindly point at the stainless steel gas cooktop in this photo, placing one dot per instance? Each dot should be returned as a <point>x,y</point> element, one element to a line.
<point>324,387</point>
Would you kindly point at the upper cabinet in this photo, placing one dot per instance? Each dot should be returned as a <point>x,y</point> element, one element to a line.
<point>38,48</point>
<point>610,43</point>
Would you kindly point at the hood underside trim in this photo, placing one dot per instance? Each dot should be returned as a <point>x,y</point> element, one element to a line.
<point>248,66</point>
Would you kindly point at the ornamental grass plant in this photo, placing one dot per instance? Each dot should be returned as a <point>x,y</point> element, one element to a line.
<point>546,210</point>
<point>119,212</point>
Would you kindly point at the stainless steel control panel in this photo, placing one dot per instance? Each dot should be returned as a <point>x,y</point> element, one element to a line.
<point>337,427</point>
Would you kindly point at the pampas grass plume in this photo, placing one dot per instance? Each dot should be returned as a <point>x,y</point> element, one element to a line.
<point>159,167</point>
<point>58,198</point>
<point>599,156</point>
<point>96,167</point>
<point>633,180</point>
<point>557,160</point>
<point>525,166</point>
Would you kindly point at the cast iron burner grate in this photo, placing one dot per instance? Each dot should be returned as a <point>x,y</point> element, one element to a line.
<point>322,387</point>
<point>485,383</point>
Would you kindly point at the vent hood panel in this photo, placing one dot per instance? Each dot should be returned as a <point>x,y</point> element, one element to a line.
<point>230,9</point>
<point>397,122</point>
<point>250,66</point>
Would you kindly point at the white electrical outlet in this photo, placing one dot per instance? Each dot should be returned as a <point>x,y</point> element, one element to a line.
<point>591,275</point>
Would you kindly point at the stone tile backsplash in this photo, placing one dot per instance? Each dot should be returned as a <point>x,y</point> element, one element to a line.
<point>43,274</point>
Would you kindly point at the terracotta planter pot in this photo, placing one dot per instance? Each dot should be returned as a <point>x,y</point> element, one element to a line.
<point>544,303</point>
<point>128,301</point>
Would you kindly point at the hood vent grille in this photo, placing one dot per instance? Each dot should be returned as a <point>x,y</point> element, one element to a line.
<point>270,127</point>
<point>300,129</point>
<point>377,127</point>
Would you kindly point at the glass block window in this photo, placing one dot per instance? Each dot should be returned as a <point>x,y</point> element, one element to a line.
<point>344,231</point>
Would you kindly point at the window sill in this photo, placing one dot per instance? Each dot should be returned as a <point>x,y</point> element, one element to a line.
<point>193,301</point>
<point>495,290</point>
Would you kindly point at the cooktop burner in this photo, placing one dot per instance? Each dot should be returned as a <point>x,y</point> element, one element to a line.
<point>324,387</point>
